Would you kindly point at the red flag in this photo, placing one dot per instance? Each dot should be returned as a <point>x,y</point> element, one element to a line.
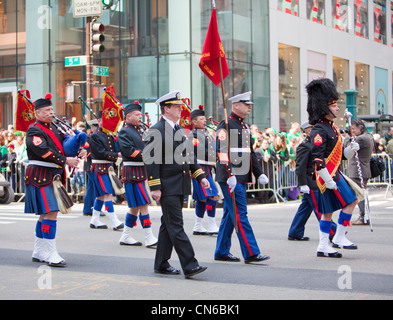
<point>212,51</point>
<point>112,113</point>
<point>25,115</point>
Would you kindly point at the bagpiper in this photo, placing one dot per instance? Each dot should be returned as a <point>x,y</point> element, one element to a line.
<point>104,156</point>
<point>47,160</point>
<point>134,176</point>
<point>333,193</point>
<point>205,199</point>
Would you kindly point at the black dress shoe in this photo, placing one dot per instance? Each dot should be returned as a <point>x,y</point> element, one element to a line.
<point>350,247</point>
<point>228,257</point>
<point>298,238</point>
<point>256,258</point>
<point>92,226</point>
<point>329,255</point>
<point>194,271</point>
<point>170,270</point>
<point>119,227</point>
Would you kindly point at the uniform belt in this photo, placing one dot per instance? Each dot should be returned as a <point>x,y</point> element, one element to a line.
<point>206,163</point>
<point>245,150</point>
<point>44,164</point>
<point>101,161</point>
<point>133,164</point>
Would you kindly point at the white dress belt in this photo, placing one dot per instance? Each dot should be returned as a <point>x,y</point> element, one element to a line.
<point>101,161</point>
<point>133,164</point>
<point>206,163</point>
<point>44,164</point>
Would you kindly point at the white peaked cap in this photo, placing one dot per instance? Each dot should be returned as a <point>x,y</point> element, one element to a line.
<point>243,97</point>
<point>170,98</point>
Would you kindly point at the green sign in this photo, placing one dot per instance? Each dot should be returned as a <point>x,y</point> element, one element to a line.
<point>76,61</point>
<point>101,71</point>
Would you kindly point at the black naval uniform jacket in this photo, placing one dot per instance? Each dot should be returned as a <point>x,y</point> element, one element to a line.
<point>305,164</point>
<point>204,149</point>
<point>169,162</point>
<point>103,147</point>
<point>45,145</point>
<point>131,147</point>
<point>244,161</point>
<point>324,137</point>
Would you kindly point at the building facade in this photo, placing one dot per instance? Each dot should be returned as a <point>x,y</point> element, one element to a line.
<point>348,41</point>
<point>152,47</point>
<point>274,48</point>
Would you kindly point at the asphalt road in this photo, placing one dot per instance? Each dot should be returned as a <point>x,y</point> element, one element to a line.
<point>100,269</point>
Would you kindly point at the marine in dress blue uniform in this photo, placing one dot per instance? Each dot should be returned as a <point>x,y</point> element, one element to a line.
<point>104,156</point>
<point>204,150</point>
<point>134,176</point>
<point>234,172</point>
<point>333,192</point>
<point>304,170</point>
<point>46,160</point>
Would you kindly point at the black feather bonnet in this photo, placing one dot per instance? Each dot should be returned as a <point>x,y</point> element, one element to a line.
<point>321,94</point>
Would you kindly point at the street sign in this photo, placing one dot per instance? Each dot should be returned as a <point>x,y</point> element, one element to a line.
<point>76,61</point>
<point>101,71</point>
<point>87,8</point>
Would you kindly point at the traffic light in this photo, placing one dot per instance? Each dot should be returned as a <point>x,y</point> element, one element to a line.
<point>107,3</point>
<point>97,37</point>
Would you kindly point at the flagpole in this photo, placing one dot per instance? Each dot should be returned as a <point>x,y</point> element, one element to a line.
<point>228,134</point>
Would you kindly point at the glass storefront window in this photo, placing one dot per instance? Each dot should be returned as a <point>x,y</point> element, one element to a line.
<point>289,6</point>
<point>289,86</point>
<point>316,11</point>
<point>380,21</point>
<point>361,18</point>
<point>340,15</point>
<point>316,65</point>
<point>151,47</point>
<point>362,72</point>
<point>341,80</point>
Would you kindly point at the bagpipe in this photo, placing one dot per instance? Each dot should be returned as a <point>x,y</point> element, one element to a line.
<point>74,140</point>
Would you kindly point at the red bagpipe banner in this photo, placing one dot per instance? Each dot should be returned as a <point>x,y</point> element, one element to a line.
<point>112,113</point>
<point>25,114</point>
<point>212,51</point>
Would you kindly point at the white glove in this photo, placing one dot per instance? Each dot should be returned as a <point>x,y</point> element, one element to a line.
<point>263,179</point>
<point>349,151</point>
<point>355,146</point>
<point>325,175</point>
<point>232,182</point>
<point>305,189</point>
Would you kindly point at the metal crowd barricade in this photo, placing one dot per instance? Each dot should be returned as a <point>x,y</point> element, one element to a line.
<point>384,180</point>
<point>255,187</point>
<point>281,179</point>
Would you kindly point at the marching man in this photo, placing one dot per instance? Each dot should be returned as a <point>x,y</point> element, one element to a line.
<point>205,199</point>
<point>134,175</point>
<point>46,160</point>
<point>234,172</point>
<point>333,193</point>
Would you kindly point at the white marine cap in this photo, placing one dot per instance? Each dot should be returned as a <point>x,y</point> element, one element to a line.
<point>170,98</point>
<point>305,125</point>
<point>243,97</point>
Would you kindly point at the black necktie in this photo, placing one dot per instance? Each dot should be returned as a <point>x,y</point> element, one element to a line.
<point>177,127</point>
